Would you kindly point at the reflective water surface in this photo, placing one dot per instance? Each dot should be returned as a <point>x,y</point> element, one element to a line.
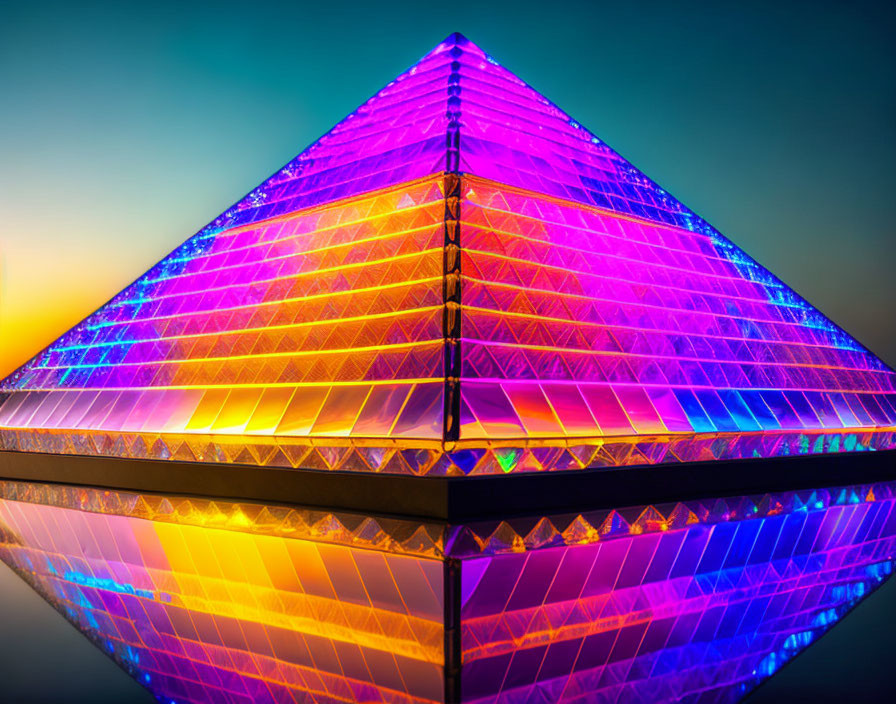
<point>205,601</point>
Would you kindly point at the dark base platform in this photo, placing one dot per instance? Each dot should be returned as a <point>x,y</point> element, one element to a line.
<point>457,498</point>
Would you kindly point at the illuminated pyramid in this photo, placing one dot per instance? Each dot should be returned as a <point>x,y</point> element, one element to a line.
<point>456,279</point>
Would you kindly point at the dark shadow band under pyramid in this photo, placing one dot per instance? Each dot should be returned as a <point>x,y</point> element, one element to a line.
<point>456,279</point>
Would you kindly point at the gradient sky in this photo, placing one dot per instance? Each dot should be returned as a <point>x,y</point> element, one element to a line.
<point>124,128</point>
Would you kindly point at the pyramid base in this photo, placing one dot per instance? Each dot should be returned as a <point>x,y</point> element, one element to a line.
<point>456,498</point>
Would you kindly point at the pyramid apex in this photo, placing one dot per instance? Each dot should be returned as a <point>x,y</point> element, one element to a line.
<point>456,41</point>
<point>456,38</point>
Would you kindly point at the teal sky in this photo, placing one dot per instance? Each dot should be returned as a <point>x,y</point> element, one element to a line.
<point>126,127</point>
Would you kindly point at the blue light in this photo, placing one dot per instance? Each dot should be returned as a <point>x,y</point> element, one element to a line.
<point>109,585</point>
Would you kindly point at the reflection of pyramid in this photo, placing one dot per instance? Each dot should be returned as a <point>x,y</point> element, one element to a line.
<point>211,602</point>
<point>456,279</point>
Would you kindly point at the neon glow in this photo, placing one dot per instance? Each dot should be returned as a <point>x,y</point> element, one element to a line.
<point>206,601</point>
<point>457,279</point>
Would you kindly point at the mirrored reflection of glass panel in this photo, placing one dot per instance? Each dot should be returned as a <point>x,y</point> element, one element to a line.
<point>197,613</point>
<point>211,601</point>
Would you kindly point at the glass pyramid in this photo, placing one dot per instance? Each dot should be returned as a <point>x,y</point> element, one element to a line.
<point>456,279</point>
